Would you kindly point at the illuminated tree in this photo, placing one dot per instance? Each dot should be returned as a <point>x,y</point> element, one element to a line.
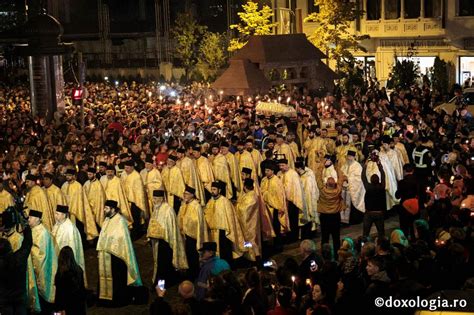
<point>333,33</point>
<point>253,21</point>
<point>212,55</point>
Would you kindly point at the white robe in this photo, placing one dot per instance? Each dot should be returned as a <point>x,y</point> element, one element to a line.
<point>311,196</point>
<point>329,172</point>
<point>355,191</point>
<point>397,162</point>
<point>67,234</point>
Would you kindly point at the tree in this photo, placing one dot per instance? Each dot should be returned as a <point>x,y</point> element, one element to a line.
<point>212,55</point>
<point>333,34</point>
<point>186,33</point>
<point>404,73</point>
<point>253,21</point>
<point>440,76</point>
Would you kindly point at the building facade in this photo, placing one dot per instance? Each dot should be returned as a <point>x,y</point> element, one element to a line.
<point>433,28</point>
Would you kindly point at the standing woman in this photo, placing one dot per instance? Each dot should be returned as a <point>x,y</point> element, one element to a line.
<point>69,281</point>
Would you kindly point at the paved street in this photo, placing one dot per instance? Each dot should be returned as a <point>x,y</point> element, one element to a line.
<point>145,261</point>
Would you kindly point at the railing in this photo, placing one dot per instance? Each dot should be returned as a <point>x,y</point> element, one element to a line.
<point>403,27</point>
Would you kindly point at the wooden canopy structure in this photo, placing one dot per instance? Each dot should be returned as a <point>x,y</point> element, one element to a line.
<point>242,78</point>
<point>285,59</point>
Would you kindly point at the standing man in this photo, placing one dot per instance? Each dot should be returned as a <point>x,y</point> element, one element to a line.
<point>151,179</point>
<point>114,191</point>
<point>247,210</point>
<point>193,227</point>
<point>166,241</point>
<point>37,199</point>
<point>190,174</point>
<point>329,207</point>
<point>311,196</point>
<point>174,183</point>
<point>274,196</point>
<point>353,189</point>
<point>65,233</point>
<point>6,199</point>
<point>375,203</point>
<point>54,193</point>
<point>118,266</point>
<point>221,169</point>
<point>79,207</point>
<point>224,228</point>
<point>135,193</point>
<point>204,170</point>
<point>408,193</point>
<point>294,195</point>
<point>45,261</point>
<point>283,149</point>
<point>233,168</point>
<point>95,194</point>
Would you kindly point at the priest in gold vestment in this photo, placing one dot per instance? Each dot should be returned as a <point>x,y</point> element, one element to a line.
<point>37,199</point>
<point>190,174</point>
<point>192,226</point>
<point>16,240</point>
<point>311,196</point>
<point>152,180</point>
<point>224,227</point>
<point>282,148</point>
<point>298,215</point>
<point>174,183</point>
<point>118,267</point>
<point>264,215</point>
<point>166,241</point>
<point>273,193</point>
<point>65,233</point>
<point>54,193</point>
<point>114,191</point>
<point>247,209</point>
<point>204,169</point>
<point>233,169</point>
<point>6,199</point>
<point>95,194</point>
<point>79,208</point>
<point>221,170</point>
<point>44,258</point>
<point>135,193</point>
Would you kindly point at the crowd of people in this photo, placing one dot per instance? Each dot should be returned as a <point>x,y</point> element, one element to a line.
<point>218,188</point>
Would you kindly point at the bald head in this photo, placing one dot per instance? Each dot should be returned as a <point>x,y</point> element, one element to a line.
<point>186,289</point>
